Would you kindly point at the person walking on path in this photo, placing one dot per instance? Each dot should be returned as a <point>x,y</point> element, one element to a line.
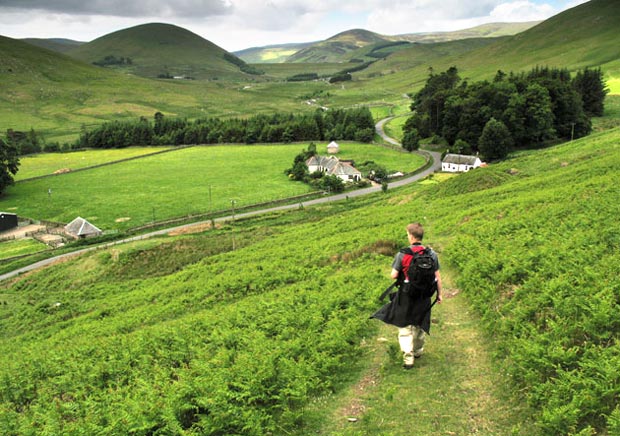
<point>411,336</point>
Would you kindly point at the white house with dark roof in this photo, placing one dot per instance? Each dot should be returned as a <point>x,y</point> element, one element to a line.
<point>332,166</point>
<point>459,163</point>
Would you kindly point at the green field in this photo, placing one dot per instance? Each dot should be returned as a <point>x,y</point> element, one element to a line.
<point>20,247</point>
<point>47,163</point>
<point>614,86</point>
<point>180,183</point>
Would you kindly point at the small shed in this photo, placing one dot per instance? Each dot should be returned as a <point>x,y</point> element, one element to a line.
<point>459,163</point>
<point>8,221</point>
<point>80,228</point>
<point>333,147</point>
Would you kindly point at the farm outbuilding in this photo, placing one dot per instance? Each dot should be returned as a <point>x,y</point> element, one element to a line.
<point>8,221</point>
<point>80,228</point>
<point>333,147</point>
<point>459,163</point>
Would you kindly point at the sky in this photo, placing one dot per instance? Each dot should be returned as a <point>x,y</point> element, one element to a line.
<point>240,24</point>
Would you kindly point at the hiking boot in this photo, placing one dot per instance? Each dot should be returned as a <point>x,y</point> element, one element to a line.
<point>408,361</point>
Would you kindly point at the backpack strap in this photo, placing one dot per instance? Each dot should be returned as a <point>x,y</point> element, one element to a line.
<point>387,291</point>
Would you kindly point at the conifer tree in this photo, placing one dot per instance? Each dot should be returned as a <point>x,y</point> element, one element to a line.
<point>9,164</point>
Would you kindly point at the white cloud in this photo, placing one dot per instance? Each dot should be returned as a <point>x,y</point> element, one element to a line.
<point>426,16</point>
<point>123,8</point>
<point>237,24</point>
<point>521,11</point>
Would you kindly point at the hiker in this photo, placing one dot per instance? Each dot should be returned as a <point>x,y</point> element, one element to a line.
<point>411,336</point>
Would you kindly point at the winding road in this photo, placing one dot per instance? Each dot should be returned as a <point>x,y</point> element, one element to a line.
<point>433,157</point>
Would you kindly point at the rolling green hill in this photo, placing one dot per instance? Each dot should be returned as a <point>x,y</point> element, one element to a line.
<point>160,49</point>
<point>339,47</point>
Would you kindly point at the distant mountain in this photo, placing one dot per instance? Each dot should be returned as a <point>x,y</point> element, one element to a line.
<point>491,30</point>
<point>161,50</point>
<point>358,43</point>
<point>339,47</point>
<point>60,45</point>
<point>271,54</point>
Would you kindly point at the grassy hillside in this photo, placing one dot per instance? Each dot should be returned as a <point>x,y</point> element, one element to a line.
<point>57,95</point>
<point>60,45</point>
<point>176,335</point>
<point>156,49</point>
<point>271,53</point>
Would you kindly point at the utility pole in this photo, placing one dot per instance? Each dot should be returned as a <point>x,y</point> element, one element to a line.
<point>211,209</point>
<point>232,204</point>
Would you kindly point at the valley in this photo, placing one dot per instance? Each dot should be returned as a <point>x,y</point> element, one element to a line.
<point>255,323</point>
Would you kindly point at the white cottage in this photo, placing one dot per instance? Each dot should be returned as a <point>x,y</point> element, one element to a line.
<point>459,163</point>
<point>332,166</point>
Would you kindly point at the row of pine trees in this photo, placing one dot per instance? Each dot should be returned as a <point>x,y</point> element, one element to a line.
<point>351,124</point>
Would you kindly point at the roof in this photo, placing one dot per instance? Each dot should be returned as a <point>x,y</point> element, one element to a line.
<point>345,169</point>
<point>333,166</point>
<point>460,159</point>
<point>327,162</point>
<point>81,227</point>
